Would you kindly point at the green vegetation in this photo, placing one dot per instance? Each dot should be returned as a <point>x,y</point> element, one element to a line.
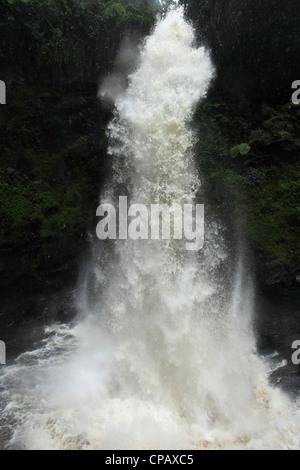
<point>249,130</point>
<point>252,174</point>
<point>52,130</point>
<point>53,158</point>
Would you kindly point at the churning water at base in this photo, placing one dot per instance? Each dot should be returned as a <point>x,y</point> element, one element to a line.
<point>164,355</point>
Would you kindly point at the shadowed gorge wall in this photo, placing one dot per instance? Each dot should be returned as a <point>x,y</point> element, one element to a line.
<point>249,128</point>
<point>52,130</point>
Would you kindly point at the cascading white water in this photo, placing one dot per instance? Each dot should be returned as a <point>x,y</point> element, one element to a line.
<point>165,356</point>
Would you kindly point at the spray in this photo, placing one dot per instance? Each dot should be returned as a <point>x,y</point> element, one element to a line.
<point>164,355</point>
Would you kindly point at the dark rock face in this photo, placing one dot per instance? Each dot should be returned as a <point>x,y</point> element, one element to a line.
<point>285,279</point>
<point>277,326</point>
<point>53,159</point>
<point>23,318</point>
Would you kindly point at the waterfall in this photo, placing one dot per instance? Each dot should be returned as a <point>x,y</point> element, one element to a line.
<point>163,355</point>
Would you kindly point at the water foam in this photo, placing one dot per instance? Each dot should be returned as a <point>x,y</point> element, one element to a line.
<point>165,356</point>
